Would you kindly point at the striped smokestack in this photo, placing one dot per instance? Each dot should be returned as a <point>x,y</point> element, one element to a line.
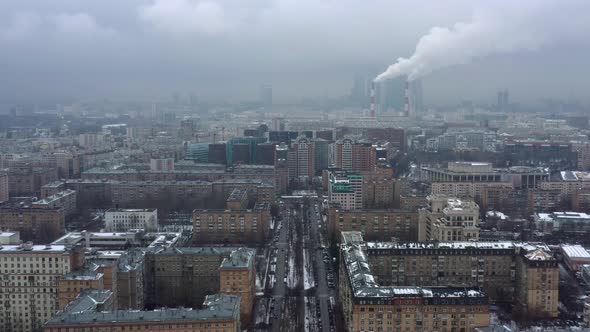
<point>372,107</point>
<point>407,99</point>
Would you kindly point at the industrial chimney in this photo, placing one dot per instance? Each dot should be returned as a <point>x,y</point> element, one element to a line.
<point>372,107</point>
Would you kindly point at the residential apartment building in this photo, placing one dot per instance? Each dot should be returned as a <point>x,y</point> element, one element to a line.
<point>119,220</point>
<point>449,219</point>
<point>39,225</point>
<point>183,276</point>
<point>472,190</point>
<point>237,276</point>
<point>131,193</point>
<point>374,224</point>
<point>301,158</point>
<point>346,189</point>
<point>30,286</point>
<point>379,188</point>
<point>28,180</point>
<point>220,313</point>
<point>354,156</point>
<point>486,265</point>
<point>232,226</point>
<point>537,283</point>
<point>73,283</point>
<point>526,273</point>
<point>369,305</point>
<point>65,200</point>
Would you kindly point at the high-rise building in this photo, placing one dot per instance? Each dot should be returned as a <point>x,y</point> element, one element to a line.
<point>391,95</point>
<point>265,154</point>
<point>198,152</point>
<point>301,158</point>
<point>416,95</point>
<point>346,189</point>
<point>362,156</point>
<point>217,153</point>
<point>360,88</point>
<point>187,129</point>
<point>537,283</point>
<point>266,97</point>
<point>502,103</point>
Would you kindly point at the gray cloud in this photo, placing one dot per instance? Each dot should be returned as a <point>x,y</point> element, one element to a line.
<point>225,48</point>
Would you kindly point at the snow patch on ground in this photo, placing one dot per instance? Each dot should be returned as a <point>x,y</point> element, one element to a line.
<point>262,311</point>
<point>308,279</point>
<point>292,278</point>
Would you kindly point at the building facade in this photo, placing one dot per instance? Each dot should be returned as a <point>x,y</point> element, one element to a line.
<point>220,313</point>
<point>449,219</point>
<point>29,296</point>
<point>119,220</point>
<point>237,276</point>
<point>375,225</point>
<point>232,226</point>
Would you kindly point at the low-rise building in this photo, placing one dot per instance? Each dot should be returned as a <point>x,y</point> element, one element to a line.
<point>119,240</point>
<point>121,220</point>
<point>575,256</point>
<point>563,222</point>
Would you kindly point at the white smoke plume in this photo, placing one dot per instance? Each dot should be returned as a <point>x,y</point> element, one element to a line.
<point>502,28</point>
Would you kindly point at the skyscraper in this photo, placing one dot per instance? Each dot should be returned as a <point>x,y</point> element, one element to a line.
<point>390,95</point>
<point>416,96</point>
<point>266,97</point>
<point>502,102</point>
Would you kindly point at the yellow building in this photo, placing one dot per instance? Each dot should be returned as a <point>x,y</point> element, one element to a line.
<point>369,306</point>
<point>537,282</point>
<point>237,276</point>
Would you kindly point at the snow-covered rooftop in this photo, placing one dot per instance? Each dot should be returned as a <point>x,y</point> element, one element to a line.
<point>575,251</point>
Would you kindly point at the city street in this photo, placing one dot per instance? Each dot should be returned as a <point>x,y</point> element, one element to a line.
<point>301,272</point>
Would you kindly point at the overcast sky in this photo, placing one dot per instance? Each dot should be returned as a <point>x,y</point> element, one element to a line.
<point>225,49</point>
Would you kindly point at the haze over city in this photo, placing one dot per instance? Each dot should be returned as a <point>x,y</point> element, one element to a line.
<point>223,50</point>
<point>294,166</point>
